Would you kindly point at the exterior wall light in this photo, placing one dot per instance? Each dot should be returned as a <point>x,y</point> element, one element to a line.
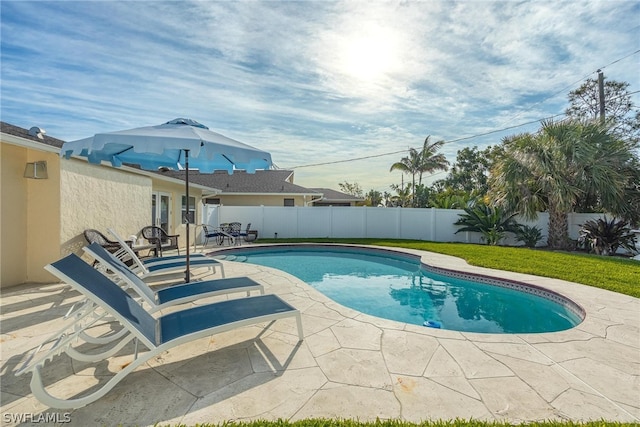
<point>36,170</point>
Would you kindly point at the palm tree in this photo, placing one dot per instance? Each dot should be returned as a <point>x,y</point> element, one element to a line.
<point>419,162</point>
<point>431,160</point>
<point>402,195</point>
<point>553,169</point>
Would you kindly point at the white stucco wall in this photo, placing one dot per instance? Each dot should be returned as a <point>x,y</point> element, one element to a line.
<point>101,197</point>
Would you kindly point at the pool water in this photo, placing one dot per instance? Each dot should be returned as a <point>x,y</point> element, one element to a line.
<point>398,288</point>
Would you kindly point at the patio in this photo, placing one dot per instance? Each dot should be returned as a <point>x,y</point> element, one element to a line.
<point>350,365</point>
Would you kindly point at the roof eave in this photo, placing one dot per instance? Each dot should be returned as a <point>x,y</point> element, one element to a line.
<point>28,143</point>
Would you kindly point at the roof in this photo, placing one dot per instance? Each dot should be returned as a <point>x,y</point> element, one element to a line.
<point>10,129</point>
<point>336,196</point>
<point>241,182</point>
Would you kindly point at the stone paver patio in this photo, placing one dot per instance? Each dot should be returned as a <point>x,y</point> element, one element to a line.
<point>350,365</point>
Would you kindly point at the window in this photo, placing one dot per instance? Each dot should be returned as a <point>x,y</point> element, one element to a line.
<point>212,201</point>
<point>289,202</point>
<point>192,210</point>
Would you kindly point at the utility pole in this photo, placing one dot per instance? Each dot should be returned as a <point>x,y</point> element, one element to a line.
<point>601,95</point>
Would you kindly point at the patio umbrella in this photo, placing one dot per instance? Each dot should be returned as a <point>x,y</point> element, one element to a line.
<point>178,144</point>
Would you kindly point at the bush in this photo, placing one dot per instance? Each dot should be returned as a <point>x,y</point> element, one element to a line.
<point>493,222</point>
<point>530,236</point>
<point>604,237</point>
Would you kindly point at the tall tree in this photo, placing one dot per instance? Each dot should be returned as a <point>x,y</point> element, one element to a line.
<point>402,197</point>
<point>353,189</point>
<point>417,162</point>
<point>373,198</point>
<point>551,170</point>
<point>620,113</point>
<point>470,172</point>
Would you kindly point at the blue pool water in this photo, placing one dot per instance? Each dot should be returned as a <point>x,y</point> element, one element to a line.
<point>398,288</point>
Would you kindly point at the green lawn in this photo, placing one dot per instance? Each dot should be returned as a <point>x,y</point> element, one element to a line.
<point>611,273</point>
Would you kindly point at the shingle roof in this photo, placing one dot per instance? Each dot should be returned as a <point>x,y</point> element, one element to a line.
<point>24,133</point>
<point>261,182</point>
<point>336,196</point>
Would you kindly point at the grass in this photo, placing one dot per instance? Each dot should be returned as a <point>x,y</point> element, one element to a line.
<point>610,273</point>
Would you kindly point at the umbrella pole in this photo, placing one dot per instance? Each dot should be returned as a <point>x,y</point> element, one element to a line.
<point>186,164</point>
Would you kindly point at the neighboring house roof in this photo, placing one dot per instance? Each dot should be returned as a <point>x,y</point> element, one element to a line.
<point>336,196</point>
<point>241,182</point>
<point>10,129</point>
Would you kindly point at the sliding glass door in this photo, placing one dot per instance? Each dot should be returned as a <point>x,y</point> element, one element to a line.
<point>161,210</point>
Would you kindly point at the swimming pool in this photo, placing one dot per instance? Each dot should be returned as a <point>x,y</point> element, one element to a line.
<point>397,286</point>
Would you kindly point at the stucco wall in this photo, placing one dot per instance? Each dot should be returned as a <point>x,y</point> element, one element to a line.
<point>13,222</point>
<point>101,197</point>
<point>43,218</point>
<point>30,217</point>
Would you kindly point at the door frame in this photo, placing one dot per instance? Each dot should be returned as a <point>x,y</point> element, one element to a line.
<point>156,214</point>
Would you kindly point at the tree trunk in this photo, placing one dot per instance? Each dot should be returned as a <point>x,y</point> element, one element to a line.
<point>558,229</point>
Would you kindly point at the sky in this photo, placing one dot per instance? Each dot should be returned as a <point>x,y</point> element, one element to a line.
<point>336,91</point>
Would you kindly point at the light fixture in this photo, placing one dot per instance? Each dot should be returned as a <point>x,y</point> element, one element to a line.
<point>36,170</point>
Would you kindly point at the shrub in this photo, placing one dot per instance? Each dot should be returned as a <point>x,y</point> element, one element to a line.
<point>530,236</point>
<point>604,237</point>
<point>493,222</point>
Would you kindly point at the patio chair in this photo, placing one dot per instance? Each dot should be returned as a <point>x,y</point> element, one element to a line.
<point>163,241</point>
<point>176,294</point>
<point>249,235</point>
<point>212,233</point>
<point>156,334</point>
<point>165,265</point>
<point>235,231</point>
<point>94,236</point>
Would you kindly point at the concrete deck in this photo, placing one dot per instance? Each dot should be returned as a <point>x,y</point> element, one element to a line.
<point>350,365</point>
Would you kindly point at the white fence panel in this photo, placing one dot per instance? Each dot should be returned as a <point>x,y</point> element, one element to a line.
<point>414,223</point>
<point>381,223</point>
<point>314,224</point>
<point>347,222</point>
<point>359,222</point>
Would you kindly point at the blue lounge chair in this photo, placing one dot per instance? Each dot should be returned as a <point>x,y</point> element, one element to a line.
<point>157,334</point>
<point>162,265</point>
<point>176,294</point>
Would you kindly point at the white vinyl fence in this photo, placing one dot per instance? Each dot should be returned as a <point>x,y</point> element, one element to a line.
<point>363,222</point>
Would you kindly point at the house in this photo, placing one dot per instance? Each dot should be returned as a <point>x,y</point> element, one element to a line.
<point>336,198</point>
<point>264,188</point>
<point>47,201</point>
<point>43,215</point>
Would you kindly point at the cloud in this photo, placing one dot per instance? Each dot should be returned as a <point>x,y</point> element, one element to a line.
<point>310,81</point>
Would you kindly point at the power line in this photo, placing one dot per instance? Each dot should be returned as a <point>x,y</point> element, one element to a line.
<point>404,151</point>
<point>563,90</point>
<point>349,160</point>
<point>502,129</point>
